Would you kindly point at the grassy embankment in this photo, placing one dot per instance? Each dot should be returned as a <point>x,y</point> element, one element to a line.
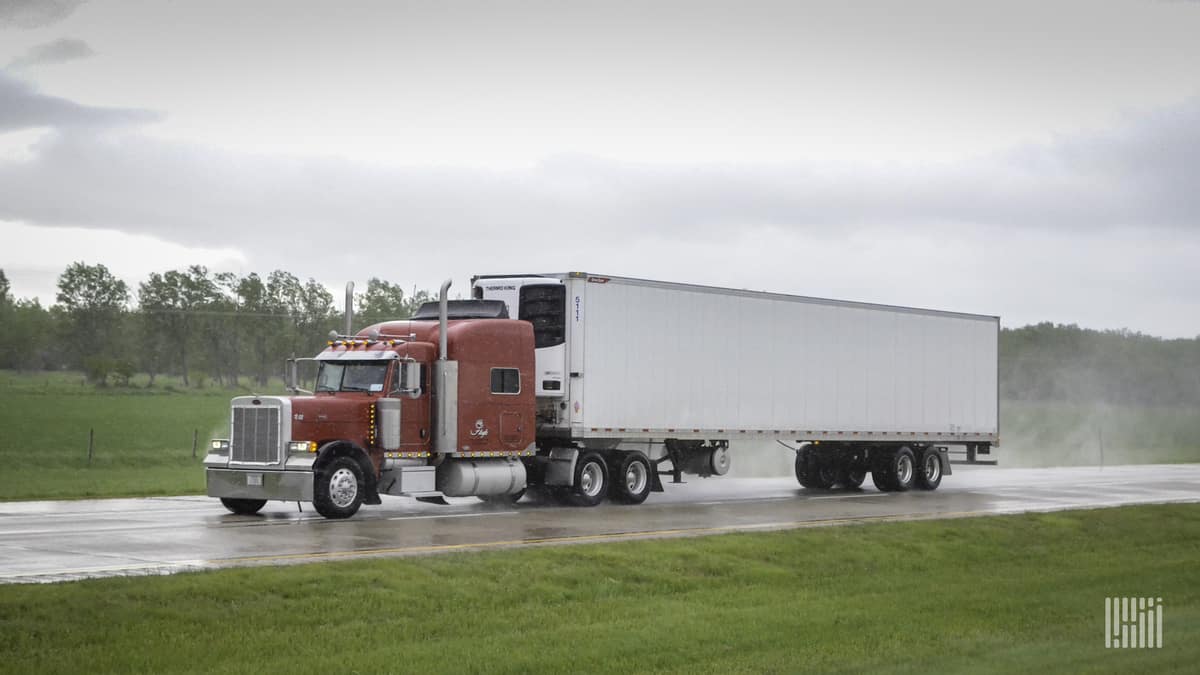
<point>999,594</point>
<point>143,436</point>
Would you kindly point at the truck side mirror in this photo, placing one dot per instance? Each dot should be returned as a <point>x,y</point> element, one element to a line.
<point>408,379</point>
<point>292,375</point>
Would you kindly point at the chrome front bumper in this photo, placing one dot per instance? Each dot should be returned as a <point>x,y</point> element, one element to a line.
<point>288,486</point>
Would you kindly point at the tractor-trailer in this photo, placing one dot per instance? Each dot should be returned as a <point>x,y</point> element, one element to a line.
<point>591,386</point>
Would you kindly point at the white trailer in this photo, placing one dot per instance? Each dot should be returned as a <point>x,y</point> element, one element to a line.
<point>671,372</point>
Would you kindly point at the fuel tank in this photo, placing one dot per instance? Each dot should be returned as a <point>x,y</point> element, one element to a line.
<point>481,477</point>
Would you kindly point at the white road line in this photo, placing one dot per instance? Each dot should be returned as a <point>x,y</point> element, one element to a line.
<point>455,515</point>
<point>866,494</point>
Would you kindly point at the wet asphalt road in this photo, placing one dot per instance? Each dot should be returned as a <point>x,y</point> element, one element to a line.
<point>66,540</point>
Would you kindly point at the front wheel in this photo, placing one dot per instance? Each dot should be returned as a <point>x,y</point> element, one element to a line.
<point>243,507</point>
<point>338,490</point>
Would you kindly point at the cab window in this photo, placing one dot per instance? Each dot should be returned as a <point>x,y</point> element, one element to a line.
<point>506,381</point>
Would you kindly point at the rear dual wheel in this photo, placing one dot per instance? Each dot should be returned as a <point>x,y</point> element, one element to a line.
<point>894,471</point>
<point>591,481</point>
<point>903,470</point>
<point>816,473</point>
<point>929,473</point>
<point>631,482</point>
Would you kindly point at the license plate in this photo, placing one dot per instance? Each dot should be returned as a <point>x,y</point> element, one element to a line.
<point>254,479</point>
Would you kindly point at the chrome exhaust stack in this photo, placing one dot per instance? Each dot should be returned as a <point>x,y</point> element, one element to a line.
<point>445,377</point>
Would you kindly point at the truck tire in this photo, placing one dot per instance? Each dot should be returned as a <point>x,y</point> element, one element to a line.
<point>851,478</point>
<point>243,507</point>
<point>591,480</point>
<point>338,488</point>
<point>631,479</point>
<point>802,469</point>
<point>895,471</point>
<point>929,470</point>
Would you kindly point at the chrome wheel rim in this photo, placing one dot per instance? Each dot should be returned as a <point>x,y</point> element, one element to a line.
<point>904,469</point>
<point>343,488</point>
<point>933,468</point>
<point>720,461</point>
<point>636,477</point>
<point>591,479</point>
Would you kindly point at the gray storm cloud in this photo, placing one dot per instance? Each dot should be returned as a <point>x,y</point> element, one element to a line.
<point>23,107</point>
<point>58,51</point>
<point>35,13</point>
<point>1100,225</point>
<point>1141,174</point>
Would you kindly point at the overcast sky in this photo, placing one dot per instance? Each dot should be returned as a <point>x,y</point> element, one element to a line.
<point>1036,160</point>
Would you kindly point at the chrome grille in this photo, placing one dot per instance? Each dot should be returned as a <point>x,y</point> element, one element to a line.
<point>255,435</point>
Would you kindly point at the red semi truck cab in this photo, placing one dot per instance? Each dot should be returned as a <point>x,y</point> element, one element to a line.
<point>442,404</point>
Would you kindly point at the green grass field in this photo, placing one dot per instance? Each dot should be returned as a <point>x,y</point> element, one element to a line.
<point>996,594</point>
<point>143,436</point>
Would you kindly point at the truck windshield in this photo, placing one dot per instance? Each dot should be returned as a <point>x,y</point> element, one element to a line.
<point>351,376</point>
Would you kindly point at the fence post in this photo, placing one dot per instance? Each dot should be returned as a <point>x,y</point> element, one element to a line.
<point>195,436</point>
<point>91,443</point>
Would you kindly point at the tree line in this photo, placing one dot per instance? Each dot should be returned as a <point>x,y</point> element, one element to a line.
<point>223,327</point>
<point>193,323</point>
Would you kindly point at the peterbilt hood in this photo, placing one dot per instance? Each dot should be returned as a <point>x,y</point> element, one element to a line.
<point>319,418</point>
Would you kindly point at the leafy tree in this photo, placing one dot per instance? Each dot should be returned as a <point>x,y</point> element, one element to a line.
<point>5,291</point>
<point>92,303</point>
<point>171,305</point>
<point>385,301</point>
<point>255,323</point>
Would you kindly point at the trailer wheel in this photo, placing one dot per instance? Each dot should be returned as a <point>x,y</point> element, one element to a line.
<point>338,488</point>
<point>243,507</point>
<point>851,478</point>
<point>895,471</point>
<point>591,480</point>
<point>803,475</point>
<point>813,472</point>
<point>631,481</point>
<point>929,474</point>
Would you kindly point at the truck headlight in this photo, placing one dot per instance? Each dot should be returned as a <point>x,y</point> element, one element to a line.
<point>301,447</point>
<point>220,446</point>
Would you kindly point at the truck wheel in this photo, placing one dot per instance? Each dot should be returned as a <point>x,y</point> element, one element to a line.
<point>243,507</point>
<point>813,472</point>
<point>631,480</point>
<point>338,491</point>
<point>803,475</point>
<point>929,474</point>
<point>591,480</point>
<point>894,471</point>
<point>899,470</point>
<point>851,478</point>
